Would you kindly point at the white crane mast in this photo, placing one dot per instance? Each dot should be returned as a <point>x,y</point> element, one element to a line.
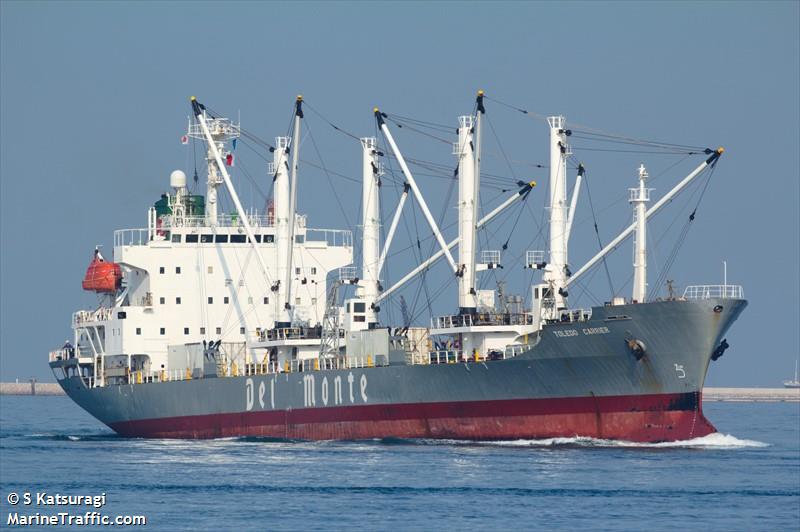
<point>464,149</point>
<point>295,149</point>
<point>282,207</point>
<point>555,274</point>
<point>214,180</point>
<point>639,198</point>
<point>370,222</point>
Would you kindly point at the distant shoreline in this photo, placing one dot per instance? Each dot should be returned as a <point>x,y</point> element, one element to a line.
<point>752,395</point>
<point>749,395</point>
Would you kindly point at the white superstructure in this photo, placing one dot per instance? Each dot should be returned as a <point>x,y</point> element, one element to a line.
<point>193,275</point>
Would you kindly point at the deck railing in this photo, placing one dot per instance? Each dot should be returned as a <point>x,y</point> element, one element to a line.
<point>223,220</point>
<point>142,237</point>
<point>332,237</point>
<point>131,237</point>
<point>91,316</point>
<point>714,291</point>
<point>481,318</point>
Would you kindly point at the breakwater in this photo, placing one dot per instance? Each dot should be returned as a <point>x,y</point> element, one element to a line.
<point>30,388</point>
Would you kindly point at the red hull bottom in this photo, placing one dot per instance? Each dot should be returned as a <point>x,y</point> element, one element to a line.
<point>650,418</point>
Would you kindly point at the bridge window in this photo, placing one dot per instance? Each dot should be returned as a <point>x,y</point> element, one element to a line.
<point>299,239</point>
<point>238,239</point>
<point>359,307</point>
<point>176,238</point>
<point>258,238</point>
<point>191,239</point>
<point>221,239</point>
<point>206,238</point>
<point>269,239</point>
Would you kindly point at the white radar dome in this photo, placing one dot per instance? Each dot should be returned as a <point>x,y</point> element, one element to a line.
<point>177,179</point>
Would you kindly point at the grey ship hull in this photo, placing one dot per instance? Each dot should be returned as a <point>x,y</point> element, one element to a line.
<point>579,379</point>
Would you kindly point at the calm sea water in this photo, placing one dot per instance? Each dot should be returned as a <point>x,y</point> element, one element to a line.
<point>747,477</point>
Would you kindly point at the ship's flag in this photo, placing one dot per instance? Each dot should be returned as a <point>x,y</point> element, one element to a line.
<point>185,139</point>
<point>229,159</point>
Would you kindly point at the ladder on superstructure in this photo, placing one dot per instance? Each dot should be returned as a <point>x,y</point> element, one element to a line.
<point>329,338</point>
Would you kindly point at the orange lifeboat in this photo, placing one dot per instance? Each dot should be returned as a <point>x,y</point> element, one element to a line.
<point>102,276</point>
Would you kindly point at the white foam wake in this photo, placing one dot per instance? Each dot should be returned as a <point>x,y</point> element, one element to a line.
<point>711,441</point>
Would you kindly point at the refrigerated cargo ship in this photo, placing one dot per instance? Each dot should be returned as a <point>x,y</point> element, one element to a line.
<point>217,325</point>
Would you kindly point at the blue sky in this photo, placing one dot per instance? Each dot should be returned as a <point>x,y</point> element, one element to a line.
<point>94,99</point>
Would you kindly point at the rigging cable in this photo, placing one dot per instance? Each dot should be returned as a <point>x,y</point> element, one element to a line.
<point>327,174</point>
<point>684,232</point>
<point>334,126</point>
<point>609,137</point>
<point>597,232</point>
<point>500,145</point>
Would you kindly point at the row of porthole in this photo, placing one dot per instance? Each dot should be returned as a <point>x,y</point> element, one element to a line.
<point>162,270</point>
<point>163,331</point>
<point>226,300</point>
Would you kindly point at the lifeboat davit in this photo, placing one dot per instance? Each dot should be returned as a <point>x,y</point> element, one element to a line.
<point>102,276</point>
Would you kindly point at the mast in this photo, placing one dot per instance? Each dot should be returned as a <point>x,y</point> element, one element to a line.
<point>220,124</point>
<point>219,131</point>
<point>555,274</point>
<point>639,198</point>
<point>467,301</point>
<point>298,114</point>
<point>478,135</point>
<point>282,207</point>
<point>214,180</point>
<point>370,221</point>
